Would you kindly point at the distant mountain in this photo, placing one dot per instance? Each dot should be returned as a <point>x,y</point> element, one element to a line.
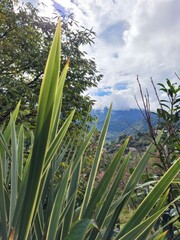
<point>122,121</point>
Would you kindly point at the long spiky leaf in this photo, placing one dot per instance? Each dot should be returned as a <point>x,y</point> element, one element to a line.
<point>97,158</point>
<point>45,106</point>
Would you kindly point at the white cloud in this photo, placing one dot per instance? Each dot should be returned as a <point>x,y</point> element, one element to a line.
<point>151,49</point>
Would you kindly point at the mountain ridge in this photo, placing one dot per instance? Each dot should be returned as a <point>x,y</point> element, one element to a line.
<point>122,121</point>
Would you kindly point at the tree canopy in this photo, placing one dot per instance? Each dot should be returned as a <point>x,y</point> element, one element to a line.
<point>25,39</point>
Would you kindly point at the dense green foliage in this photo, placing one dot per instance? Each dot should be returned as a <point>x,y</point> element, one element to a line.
<point>169,120</point>
<point>34,206</point>
<point>25,38</point>
<point>138,142</point>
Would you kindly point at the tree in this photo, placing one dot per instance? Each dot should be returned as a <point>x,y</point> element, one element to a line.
<point>25,38</point>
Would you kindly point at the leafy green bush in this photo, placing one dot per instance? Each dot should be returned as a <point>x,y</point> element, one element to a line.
<point>168,148</point>
<point>33,206</point>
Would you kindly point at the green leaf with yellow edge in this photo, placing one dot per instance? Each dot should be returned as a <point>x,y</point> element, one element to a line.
<point>80,229</point>
<point>20,151</point>
<point>137,230</point>
<point>58,206</point>
<point>42,137</point>
<point>57,103</point>
<point>151,199</point>
<point>3,213</point>
<point>57,141</point>
<point>161,236</point>
<point>14,174</point>
<point>103,213</point>
<point>14,114</point>
<point>129,188</point>
<point>95,165</point>
<point>160,204</point>
<point>105,181</point>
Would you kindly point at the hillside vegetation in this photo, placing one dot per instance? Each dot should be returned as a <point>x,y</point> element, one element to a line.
<point>127,122</point>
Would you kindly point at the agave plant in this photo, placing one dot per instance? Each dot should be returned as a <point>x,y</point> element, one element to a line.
<point>33,207</point>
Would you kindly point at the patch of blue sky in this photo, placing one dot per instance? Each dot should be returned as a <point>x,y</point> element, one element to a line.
<point>114,33</point>
<point>102,93</point>
<point>120,86</point>
<point>62,10</point>
<point>107,87</point>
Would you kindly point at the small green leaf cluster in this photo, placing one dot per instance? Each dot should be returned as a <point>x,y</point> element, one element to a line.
<point>169,120</point>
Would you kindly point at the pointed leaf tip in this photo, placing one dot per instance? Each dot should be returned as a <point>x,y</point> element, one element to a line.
<point>68,62</point>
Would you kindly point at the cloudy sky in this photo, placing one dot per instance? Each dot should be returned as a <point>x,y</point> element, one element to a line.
<point>134,37</point>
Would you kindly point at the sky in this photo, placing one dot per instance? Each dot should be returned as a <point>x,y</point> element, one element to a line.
<point>134,37</point>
